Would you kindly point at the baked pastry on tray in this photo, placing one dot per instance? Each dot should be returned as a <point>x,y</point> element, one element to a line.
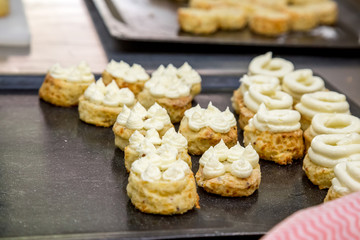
<point>233,172</point>
<point>140,119</point>
<point>326,152</point>
<point>64,86</point>
<point>161,184</point>
<point>172,88</point>
<point>100,104</point>
<point>206,127</point>
<point>133,77</point>
<point>140,146</point>
<point>275,135</point>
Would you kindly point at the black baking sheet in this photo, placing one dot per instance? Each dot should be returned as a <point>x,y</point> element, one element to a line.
<point>156,21</point>
<point>62,178</point>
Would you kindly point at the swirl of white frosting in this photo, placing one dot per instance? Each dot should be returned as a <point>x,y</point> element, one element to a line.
<point>188,74</point>
<point>56,71</point>
<point>139,110</point>
<point>334,123</point>
<point>80,73</point>
<point>93,94</point>
<point>241,168</point>
<point>153,123</point>
<point>302,81</point>
<point>162,115</point>
<point>213,168</point>
<point>327,150</point>
<point>251,155</point>
<point>173,173</point>
<point>235,153</point>
<point>221,150</point>
<point>145,147</point>
<point>175,139</point>
<point>322,102</point>
<point>153,136</point>
<point>134,121</point>
<point>229,117</point>
<point>127,73</point>
<point>347,177</point>
<point>207,155</point>
<point>269,95</point>
<point>246,81</point>
<point>188,113</point>
<point>151,112</point>
<point>168,155</point>
<point>123,116</point>
<point>152,173</point>
<point>283,120</point>
<point>140,165</point>
<point>266,65</point>
<point>196,121</point>
<point>136,139</point>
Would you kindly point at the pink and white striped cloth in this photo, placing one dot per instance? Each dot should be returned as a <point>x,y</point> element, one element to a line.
<point>338,219</point>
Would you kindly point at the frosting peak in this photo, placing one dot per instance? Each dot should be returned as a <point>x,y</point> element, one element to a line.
<point>80,73</point>
<point>124,71</point>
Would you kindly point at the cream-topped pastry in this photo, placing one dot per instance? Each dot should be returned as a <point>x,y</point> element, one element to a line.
<point>267,65</point>
<point>138,118</point>
<point>325,152</point>
<point>320,102</point>
<point>101,104</point>
<point>206,127</point>
<point>300,82</point>
<point>162,184</point>
<point>346,181</point>
<point>172,143</point>
<point>331,123</point>
<point>172,88</point>
<point>275,135</point>
<point>125,76</point>
<point>64,86</point>
<point>233,172</point>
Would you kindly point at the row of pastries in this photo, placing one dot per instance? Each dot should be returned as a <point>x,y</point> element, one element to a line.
<point>275,105</point>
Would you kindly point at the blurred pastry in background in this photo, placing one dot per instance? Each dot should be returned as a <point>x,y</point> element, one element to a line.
<point>4,8</point>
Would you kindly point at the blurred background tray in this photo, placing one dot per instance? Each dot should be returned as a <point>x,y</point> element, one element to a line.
<point>156,21</point>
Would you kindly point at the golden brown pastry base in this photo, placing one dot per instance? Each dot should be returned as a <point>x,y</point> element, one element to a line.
<point>175,107</point>
<point>268,22</point>
<point>96,114</point>
<point>123,134</point>
<point>60,92</point>
<point>281,148</point>
<point>163,197</point>
<point>195,89</point>
<point>302,18</point>
<point>326,11</point>
<point>305,122</point>
<point>237,100</point>
<point>307,138</point>
<point>318,175</point>
<point>228,185</point>
<point>245,115</point>
<point>331,195</point>
<point>4,8</point>
<point>135,87</point>
<point>200,141</point>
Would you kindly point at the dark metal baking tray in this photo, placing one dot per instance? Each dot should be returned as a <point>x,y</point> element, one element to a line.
<point>156,21</point>
<point>62,178</point>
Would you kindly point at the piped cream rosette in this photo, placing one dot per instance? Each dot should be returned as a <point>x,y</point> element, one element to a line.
<point>140,119</point>
<point>159,183</point>
<point>269,66</point>
<point>101,104</point>
<point>331,123</point>
<point>64,86</point>
<point>126,76</point>
<point>346,181</point>
<point>233,172</point>
<point>206,127</point>
<point>275,135</point>
<point>320,102</point>
<point>173,89</point>
<point>326,152</point>
<point>140,146</point>
<point>300,82</point>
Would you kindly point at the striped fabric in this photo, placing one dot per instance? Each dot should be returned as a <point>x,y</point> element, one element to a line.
<point>338,219</point>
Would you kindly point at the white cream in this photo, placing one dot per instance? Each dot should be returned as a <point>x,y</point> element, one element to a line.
<point>300,82</point>
<point>322,102</point>
<point>246,81</point>
<point>80,73</point>
<point>152,173</point>
<point>213,168</point>
<point>221,151</point>
<point>251,155</point>
<point>124,71</point>
<point>123,116</point>
<point>241,168</point>
<point>136,139</point>
<point>145,147</point>
<point>153,136</point>
<point>175,139</point>
<point>168,155</point>
<point>134,121</point>
<point>269,95</point>
<point>266,65</point>
<point>334,123</point>
<point>327,150</point>
<point>235,153</point>
<point>283,120</point>
<point>173,174</point>
<point>347,178</point>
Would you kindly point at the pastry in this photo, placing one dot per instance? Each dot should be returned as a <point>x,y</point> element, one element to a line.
<point>331,123</point>
<point>138,118</point>
<point>197,21</point>
<point>245,82</point>
<point>346,180</point>
<point>266,65</point>
<point>300,82</point>
<point>230,18</point>
<point>133,77</point>
<point>64,86</point>
<point>100,104</point>
<point>270,95</point>
<point>140,146</point>
<point>302,18</point>
<point>160,184</point>
<point>326,152</point>
<point>320,102</point>
<point>4,7</point>
<point>275,135</point>
<point>266,21</point>
<point>173,89</point>
<point>204,128</point>
<point>327,11</point>
<point>233,172</point>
